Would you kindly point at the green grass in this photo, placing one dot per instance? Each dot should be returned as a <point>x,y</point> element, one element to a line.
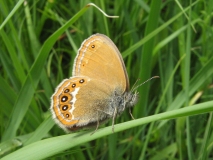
<point>171,39</point>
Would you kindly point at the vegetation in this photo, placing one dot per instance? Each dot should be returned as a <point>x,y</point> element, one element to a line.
<point>171,39</point>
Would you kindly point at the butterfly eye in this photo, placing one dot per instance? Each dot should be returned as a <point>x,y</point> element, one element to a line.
<point>93,46</point>
<point>66,90</point>
<point>81,81</point>
<point>67,115</point>
<point>65,107</point>
<point>73,85</point>
<point>64,99</point>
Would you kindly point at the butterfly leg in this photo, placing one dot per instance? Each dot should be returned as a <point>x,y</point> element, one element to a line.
<point>104,112</point>
<point>131,113</point>
<point>96,127</point>
<point>113,119</point>
<point>124,105</point>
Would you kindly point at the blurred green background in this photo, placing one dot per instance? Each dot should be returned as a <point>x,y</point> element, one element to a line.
<point>171,39</point>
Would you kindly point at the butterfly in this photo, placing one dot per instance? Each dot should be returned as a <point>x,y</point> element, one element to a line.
<point>98,90</point>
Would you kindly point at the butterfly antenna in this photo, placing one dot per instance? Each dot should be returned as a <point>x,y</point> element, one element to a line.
<point>144,82</point>
<point>135,84</point>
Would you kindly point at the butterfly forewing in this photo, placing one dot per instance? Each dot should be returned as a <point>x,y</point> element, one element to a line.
<point>100,59</point>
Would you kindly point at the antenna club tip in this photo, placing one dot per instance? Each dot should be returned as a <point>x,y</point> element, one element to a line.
<point>156,77</point>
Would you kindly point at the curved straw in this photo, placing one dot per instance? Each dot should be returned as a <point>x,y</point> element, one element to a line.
<point>92,4</point>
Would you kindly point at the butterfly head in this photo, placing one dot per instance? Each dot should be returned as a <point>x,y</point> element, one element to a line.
<point>131,98</point>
